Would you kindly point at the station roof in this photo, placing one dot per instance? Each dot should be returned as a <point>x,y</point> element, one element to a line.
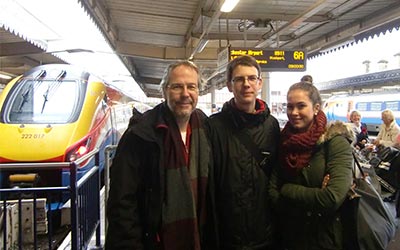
<point>148,35</point>
<point>19,54</point>
<point>370,82</point>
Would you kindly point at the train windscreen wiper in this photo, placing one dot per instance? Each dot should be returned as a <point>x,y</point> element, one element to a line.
<point>24,98</point>
<point>36,81</point>
<point>52,88</point>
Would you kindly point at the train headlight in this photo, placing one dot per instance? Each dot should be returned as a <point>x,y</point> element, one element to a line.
<point>78,150</point>
<point>78,153</point>
<point>82,150</point>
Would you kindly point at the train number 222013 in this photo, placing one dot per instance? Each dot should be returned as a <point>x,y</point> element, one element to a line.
<point>32,136</point>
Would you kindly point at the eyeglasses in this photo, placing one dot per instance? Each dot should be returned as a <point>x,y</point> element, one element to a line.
<point>179,88</point>
<point>253,79</point>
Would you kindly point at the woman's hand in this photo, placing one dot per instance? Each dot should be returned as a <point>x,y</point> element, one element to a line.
<point>325,181</point>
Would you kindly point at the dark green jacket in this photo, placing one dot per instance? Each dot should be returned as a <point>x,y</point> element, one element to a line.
<point>243,210</point>
<point>309,216</point>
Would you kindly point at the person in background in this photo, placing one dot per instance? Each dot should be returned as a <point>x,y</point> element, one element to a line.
<point>389,131</point>
<point>388,135</point>
<point>315,173</point>
<point>360,130</point>
<point>244,138</point>
<point>159,174</point>
<point>307,78</point>
<point>397,143</point>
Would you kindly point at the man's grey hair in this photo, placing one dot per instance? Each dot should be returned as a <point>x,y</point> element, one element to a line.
<point>167,74</point>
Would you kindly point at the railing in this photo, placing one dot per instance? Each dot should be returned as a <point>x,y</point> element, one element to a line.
<point>85,206</point>
<point>109,150</point>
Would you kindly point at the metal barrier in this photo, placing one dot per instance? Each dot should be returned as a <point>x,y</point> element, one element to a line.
<point>85,207</point>
<point>109,150</point>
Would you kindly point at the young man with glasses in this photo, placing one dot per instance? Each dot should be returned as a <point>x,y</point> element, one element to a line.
<point>244,138</point>
<point>160,171</point>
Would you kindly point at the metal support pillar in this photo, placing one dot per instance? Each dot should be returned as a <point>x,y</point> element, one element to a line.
<point>213,104</point>
<point>266,88</point>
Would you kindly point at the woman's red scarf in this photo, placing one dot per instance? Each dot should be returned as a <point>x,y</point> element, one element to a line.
<point>296,148</point>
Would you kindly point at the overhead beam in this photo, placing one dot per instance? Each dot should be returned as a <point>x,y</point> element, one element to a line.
<point>196,19</point>
<point>356,29</point>
<point>150,80</point>
<point>380,18</point>
<point>206,30</point>
<point>166,53</point>
<point>229,36</point>
<point>273,17</point>
<point>294,22</point>
<point>135,36</point>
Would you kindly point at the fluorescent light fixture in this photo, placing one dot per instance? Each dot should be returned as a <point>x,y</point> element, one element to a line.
<point>4,76</point>
<point>229,5</point>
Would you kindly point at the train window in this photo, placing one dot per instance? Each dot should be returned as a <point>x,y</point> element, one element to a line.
<point>361,106</point>
<point>376,106</point>
<point>394,106</point>
<point>44,102</point>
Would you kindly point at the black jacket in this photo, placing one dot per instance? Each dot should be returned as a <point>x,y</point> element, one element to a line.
<point>240,183</point>
<point>362,135</point>
<point>137,185</point>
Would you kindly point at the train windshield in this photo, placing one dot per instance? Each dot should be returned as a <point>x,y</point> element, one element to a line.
<point>44,102</point>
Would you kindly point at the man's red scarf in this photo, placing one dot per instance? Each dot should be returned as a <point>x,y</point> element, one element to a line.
<point>296,148</point>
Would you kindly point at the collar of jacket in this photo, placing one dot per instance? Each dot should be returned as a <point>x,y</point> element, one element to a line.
<point>337,128</point>
<point>146,128</point>
<point>242,119</point>
<point>150,127</point>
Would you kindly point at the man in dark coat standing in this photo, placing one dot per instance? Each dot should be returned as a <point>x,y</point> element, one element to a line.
<point>245,140</point>
<point>160,172</point>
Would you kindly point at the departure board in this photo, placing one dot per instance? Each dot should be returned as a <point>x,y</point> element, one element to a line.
<point>274,60</point>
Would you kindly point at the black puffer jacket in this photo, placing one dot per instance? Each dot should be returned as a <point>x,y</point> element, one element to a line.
<point>243,210</point>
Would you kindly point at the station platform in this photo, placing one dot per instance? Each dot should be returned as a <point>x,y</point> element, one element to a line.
<point>394,244</point>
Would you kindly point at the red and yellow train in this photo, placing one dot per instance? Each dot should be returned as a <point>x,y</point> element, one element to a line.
<point>58,113</point>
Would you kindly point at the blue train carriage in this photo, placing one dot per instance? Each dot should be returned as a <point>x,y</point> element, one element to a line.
<point>370,106</point>
<point>58,113</point>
